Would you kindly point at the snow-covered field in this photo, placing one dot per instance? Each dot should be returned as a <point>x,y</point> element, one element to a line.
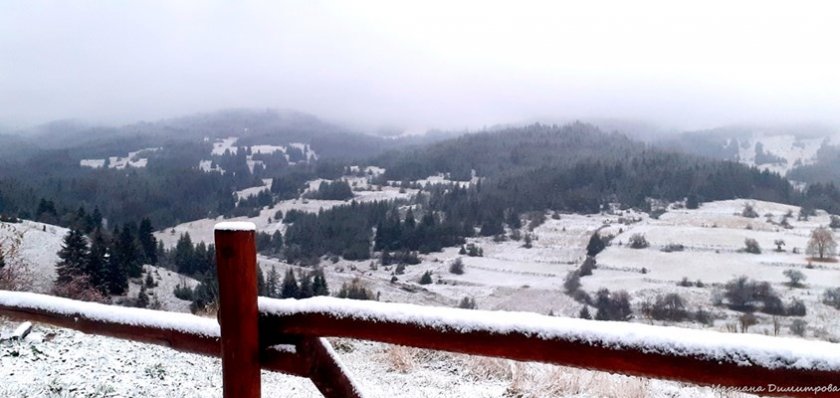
<point>118,162</point>
<point>202,230</point>
<point>794,150</point>
<point>507,277</point>
<point>37,246</point>
<point>228,145</point>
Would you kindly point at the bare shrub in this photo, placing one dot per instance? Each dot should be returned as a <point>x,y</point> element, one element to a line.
<point>822,244</point>
<point>78,288</point>
<point>14,272</point>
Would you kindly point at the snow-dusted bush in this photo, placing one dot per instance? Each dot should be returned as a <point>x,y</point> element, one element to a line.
<point>613,306</point>
<point>796,308</point>
<point>673,247</point>
<point>751,246</point>
<point>798,327</point>
<point>831,297</point>
<point>467,303</point>
<point>587,266</point>
<point>638,241</point>
<point>749,211</point>
<point>457,267</point>
<point>670,307</point>
<point>795,277</point>
<point>744,294</point>
<point>572,282</point>
<point>355,290</point>
<point>426,279</point>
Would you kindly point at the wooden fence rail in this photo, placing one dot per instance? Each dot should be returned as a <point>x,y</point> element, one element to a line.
<point>288,336</point>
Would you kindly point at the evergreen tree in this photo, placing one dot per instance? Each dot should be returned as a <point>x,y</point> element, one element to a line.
<point>142,298</point>
<point>306,288</point>
<point>184,255</point>
<point>161,255</point>
<point>96,218</point>
<point>290,288</point>
<point>277,242</point>
<point>97,264</point>
<point>272,282</point>
<point>262,288</point>
<point>73,257</point>
<point>319,283</point>
<point>426,278</point>
<point>116,275</point>
<point>596,245</point>
<point>128,252</point>
<point>584,313</point>
<point>2,259</point>
<point>147,240</point>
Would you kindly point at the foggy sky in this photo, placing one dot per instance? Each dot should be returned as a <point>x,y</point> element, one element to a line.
<point>422,64</point>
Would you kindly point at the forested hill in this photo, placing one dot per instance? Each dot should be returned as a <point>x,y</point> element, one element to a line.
<point>43,165</point>
<point>494,153</point>
<point>577,167</point>
<point>253,127</point>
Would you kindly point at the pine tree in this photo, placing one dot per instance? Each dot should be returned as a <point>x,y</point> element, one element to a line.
<point>161,255</point>
<point>426,278</point>
<point>271,283</point>
<point>290,287</point>
<point>306,288</point>
<point>97,264</point>
<point>116,274</point>
<point>128,252</point>
<point>142,298</point>
<point>73,255</point>
<point>183,256</point>
<point>595,246</point>
<point>2,259</point>
<point>147,240</point>
<point>319,284</point>
<point>584,313</point>
<point>262,288</point>
<point>277,242</point>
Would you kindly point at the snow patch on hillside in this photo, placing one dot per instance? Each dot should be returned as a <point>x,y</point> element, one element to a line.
<point>793,150</point>
<point>38,249</point>
<point>117,162</point>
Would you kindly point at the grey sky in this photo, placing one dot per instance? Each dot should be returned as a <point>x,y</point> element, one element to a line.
<point>422,64</point>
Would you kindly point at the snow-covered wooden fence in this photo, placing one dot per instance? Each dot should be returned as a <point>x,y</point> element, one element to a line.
<point>288,336</point>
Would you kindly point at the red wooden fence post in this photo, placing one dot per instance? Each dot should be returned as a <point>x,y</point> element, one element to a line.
<point>236,262</point>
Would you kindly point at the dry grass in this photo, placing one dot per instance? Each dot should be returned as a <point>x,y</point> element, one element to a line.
<point>401,359</point>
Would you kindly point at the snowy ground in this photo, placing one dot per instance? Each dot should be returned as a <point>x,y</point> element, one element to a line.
<point>202,230</point>
<point>794,150</point>
<point>508,277</point>
<point>38,245</point>
<point>55,362</point>
<point>221,146</point>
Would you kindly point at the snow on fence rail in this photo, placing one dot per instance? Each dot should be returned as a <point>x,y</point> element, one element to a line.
<point>752,363</point>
